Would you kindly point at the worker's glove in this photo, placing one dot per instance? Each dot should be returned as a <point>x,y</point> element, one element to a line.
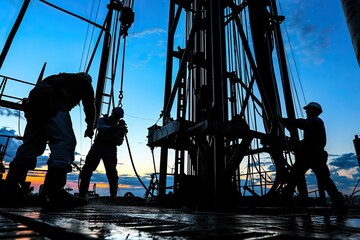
<point>121,125</point>
<point>89,132</point>
<point>121,141</point>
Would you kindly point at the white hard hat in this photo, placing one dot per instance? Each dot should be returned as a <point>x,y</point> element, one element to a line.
<point>314,105</point>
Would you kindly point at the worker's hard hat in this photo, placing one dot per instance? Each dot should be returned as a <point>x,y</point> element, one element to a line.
<point>85,76</point>
<point>314,105</point>
<point>118,111</point>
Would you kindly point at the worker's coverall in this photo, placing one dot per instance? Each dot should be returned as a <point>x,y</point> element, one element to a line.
<point>311,155</point>
<point>49,121</point>
<point>108,137</point>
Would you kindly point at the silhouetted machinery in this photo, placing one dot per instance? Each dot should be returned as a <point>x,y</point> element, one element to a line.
<point>351,10</point>
<point>222,93</point>
<point>356,142</point>
<point>223,89</point>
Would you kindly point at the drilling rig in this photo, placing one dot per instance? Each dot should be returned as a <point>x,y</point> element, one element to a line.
<point>223,91</point>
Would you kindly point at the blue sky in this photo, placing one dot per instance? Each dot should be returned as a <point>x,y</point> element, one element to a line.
<point>320,41</point>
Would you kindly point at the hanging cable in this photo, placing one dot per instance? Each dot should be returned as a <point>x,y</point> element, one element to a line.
<point>116,45</point>
<point>133,165</point>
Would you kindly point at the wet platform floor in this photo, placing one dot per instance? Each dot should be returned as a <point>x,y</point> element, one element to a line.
<point>104,221</point>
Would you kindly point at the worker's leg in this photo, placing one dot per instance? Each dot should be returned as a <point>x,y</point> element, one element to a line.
<point>54,196</point>
<point>62,144</point>
<point>297,171</point>
<point>110,163</point>
<point>323,176</point>
<point>34,144</point>
<point>91,163</point>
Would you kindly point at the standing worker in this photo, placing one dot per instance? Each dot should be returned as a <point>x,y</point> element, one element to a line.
<point>311,154</point>
<point>48,122</point>
<point>110,134</point>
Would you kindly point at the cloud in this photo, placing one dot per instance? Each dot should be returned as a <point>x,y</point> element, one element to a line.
<point>10,112</point>
<point>348,173</point>
<point>161,43</point>
<point>12,144</point>
<point>78,154</point>
<point>155,46</point>
<point>148,32</point>
<point>345,161</point>
<point>143,63</point>
<point>311,41</point>
<point>42,162</point>
<point>16,3</point>
<point>7,132</point>
<point>133,181</point>
<point>345,172</point>
<point>331,155</point>
<point>127,183</point>
<point>73,176</point>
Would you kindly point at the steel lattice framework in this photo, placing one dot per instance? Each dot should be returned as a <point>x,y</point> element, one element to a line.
<point>223,89</point>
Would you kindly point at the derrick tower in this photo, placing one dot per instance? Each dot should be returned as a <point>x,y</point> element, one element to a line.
<point>223,89</point>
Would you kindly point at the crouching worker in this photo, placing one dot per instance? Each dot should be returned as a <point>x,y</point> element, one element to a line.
<point>110,134</point>
<point>48,122</point>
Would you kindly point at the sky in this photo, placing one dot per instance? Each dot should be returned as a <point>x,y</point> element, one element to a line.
<point>320,42</point>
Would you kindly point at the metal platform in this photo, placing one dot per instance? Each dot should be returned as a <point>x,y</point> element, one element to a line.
<point>104,220</point>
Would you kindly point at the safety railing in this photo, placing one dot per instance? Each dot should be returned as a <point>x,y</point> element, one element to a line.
<point>13,91</point>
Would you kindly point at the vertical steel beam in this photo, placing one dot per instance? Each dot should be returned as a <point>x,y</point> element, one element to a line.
<point>104,62</point>
<point>13,31</point>
<point>167,94</point>
<point>216,73</point>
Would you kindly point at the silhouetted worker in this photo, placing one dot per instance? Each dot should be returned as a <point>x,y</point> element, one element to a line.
<point>311,154</point>
<point>110,134</point>
<point>49,122</point>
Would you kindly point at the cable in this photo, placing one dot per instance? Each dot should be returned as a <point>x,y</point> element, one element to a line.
<point>292,54</point>
<point>92,34</point>
<point>133,165</point>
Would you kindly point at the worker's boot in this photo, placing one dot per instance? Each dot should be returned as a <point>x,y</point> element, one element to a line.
<point>12,194</point>
<point>113,185</point>
<point>85,177</point>
<point>54,196</point>
<point>338,202</point>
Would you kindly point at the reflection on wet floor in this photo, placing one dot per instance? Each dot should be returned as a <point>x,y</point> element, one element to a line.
<point>142,222</point>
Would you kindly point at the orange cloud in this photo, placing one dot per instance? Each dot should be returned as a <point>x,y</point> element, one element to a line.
<point>348,173</point>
